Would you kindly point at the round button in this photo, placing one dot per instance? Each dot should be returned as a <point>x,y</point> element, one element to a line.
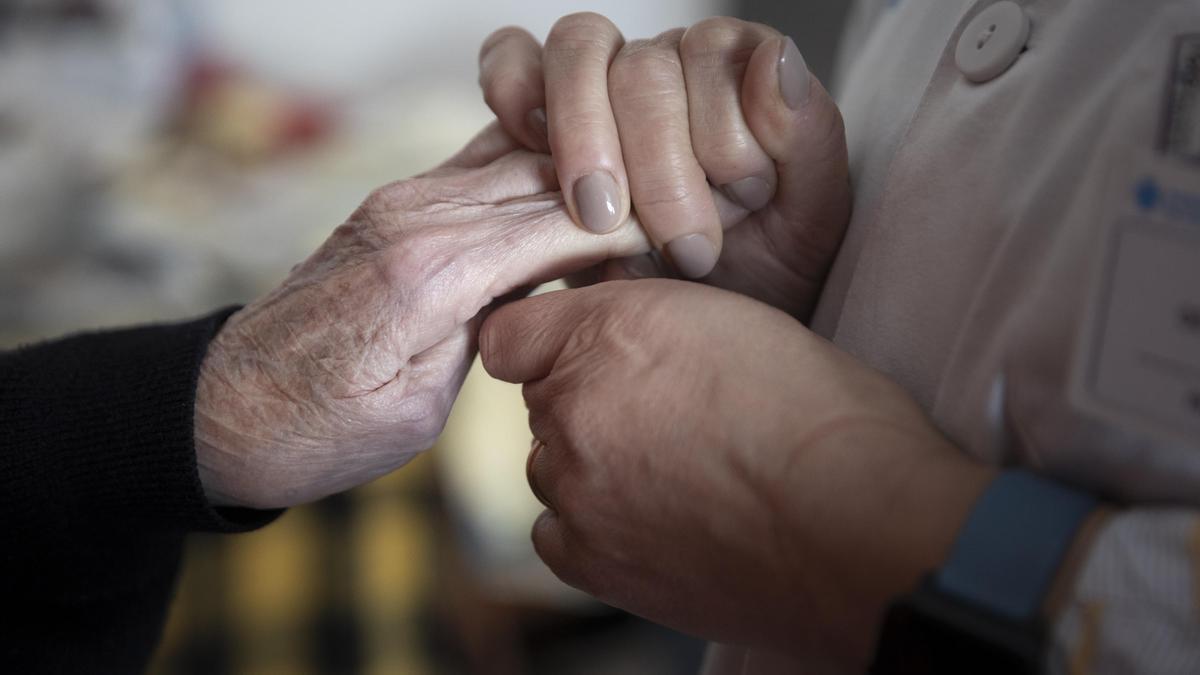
<point>992,41</point>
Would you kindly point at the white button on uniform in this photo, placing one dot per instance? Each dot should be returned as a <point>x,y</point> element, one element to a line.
<point>992,41</point>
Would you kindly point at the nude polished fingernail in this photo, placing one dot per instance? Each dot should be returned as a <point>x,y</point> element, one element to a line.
<point>536,119</point>
<point>753,193</point>
<point>693,255</point>
<point>598,201</point>
<point>793,75</point>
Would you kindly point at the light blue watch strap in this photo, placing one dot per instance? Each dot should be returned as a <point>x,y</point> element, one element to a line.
<point>1010,548</point>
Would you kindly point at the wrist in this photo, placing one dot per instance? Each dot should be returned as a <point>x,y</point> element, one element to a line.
<point>989,601</point>
<point>219,461</point>
<point>902,494</point>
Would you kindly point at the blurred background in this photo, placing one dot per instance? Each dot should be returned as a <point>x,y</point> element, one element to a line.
<point>160,159</point>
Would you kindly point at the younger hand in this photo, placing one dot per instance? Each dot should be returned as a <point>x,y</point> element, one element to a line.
<point>712,465</point>
<point>697,130</point>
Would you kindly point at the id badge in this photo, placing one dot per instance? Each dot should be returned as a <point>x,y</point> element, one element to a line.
<point>1137,362</point>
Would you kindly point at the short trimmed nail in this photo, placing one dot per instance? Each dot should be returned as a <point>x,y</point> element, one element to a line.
<point>753,193</point>
<point>536,119</point>
<point>693,255</point>
<point>640,266</point>
<point>793,75</point>
<point>598,201</point>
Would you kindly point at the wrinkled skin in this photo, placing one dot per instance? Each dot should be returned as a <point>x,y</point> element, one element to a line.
<point>349,368</point>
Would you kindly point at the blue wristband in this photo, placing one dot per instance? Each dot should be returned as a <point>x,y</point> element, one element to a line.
<point>1008,552</point>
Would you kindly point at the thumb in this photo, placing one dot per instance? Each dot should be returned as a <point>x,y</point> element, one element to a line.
<point>799,126</point>
<point>521,341</point>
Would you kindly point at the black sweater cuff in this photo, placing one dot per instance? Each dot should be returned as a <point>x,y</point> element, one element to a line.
<point>99,426</point>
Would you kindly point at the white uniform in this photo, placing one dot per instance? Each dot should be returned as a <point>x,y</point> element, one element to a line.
<point>1024,258</point>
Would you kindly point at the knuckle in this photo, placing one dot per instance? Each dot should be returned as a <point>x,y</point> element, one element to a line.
<point>501,88</point>
<point>726,149</point>
<point>592,329</point>
<point>566,571</point>
<point>649,77</point>
<point>585,122</point>
<point>542,535</point>
<point>582,31</point>
<point>720,35</point>
<point>616,332</point>
<point>575,521</point>
<point>361,238</point>
<point>414,261</point>
<point>547,535</point>
<point>391,197</point>
<point>569,570</point>
<point>541,425</point>
<point>665,191</point>
<point>379,199</point>
<point>645,59</point>
<point>355,236</point>
<point>502,35</point>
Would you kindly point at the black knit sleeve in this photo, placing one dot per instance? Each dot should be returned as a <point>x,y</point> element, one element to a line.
<point>98,487</point>
<point>98,427</point>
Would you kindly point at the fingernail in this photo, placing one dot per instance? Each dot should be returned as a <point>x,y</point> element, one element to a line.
<point>793,75</point>
<point>752,193</point>
<point>536,119</point>
<point>598,201</point>
<point>693,255</point>
<point>640,266</point>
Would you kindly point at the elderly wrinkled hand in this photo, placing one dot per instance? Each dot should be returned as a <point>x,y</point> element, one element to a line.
<point>717,126</point>
<point>349,368</point>
<point>712,465</point>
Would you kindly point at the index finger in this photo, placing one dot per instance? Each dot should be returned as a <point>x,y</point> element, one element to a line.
<point>583,132</point>
<point>510,73</point>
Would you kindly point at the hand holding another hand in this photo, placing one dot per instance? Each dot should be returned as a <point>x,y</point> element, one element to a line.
<point>732,155</point>
<point>712,465</point>
<point>349,368</point>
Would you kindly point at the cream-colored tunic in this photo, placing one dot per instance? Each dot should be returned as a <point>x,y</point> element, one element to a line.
<point>1024,258</point>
